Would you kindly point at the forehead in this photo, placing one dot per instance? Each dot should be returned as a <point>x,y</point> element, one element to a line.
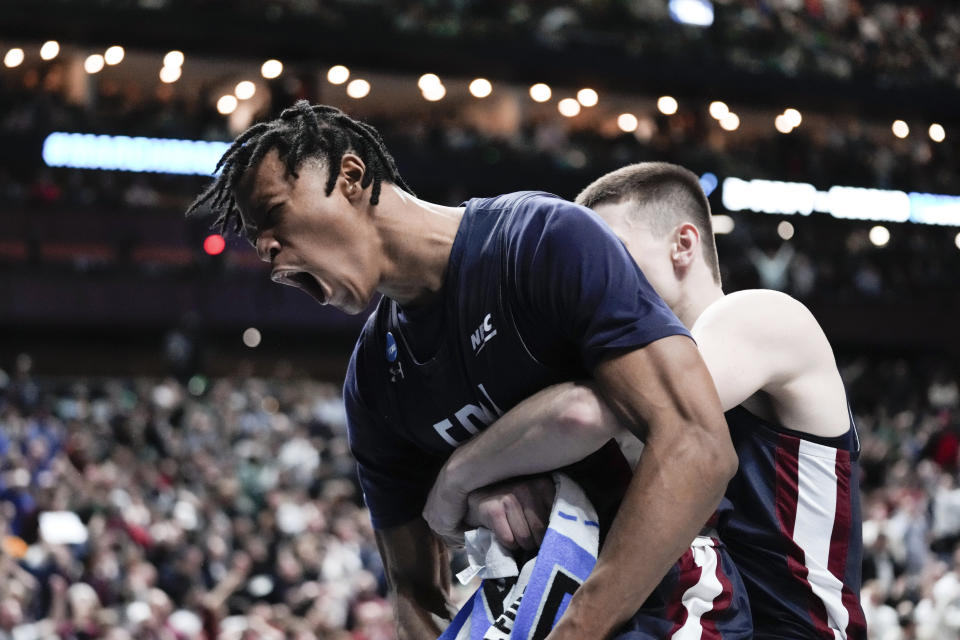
<point>259,185</point>
<point>268,178</point>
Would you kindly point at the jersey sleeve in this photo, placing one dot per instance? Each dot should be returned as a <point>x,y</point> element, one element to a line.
<point>395,477</point>
<point>577,279</point>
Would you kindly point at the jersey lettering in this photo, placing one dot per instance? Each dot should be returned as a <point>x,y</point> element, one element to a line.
<point>562,586</point>
<point>470,418</point>
<point>483,335</point>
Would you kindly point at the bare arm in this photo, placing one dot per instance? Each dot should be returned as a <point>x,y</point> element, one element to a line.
<point>418,572</point>
<point>766,341</point>
<point>677,484</point>
<point>549,430</point>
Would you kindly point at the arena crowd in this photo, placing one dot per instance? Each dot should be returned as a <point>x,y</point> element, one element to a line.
<point>229,508</point>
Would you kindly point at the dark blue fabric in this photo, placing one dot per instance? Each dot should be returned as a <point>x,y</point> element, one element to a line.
<point>537,291</point>
<point>752,530</point>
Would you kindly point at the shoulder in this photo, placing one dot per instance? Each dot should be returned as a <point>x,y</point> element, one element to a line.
<point>770,321</point>
<point>540,222</point>
<point>771,312</point>
<point>548,209</point>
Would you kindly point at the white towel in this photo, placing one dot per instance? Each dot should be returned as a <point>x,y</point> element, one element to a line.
<point>527,603</point>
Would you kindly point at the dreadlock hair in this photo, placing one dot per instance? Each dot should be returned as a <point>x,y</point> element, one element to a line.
<point>302,131</point>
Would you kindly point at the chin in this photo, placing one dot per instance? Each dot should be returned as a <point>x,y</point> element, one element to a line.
<point>353,307</point>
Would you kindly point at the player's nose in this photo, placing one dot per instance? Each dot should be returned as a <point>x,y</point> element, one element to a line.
<point>267,247</point>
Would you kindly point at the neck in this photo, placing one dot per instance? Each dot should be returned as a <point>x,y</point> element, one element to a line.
<point>697,294</point>
<point>417,238</point>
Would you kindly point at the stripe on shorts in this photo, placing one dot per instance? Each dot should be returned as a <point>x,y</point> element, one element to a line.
<point>787,479</point>
<point>698,600</point>
<point>721,603</point>
<point>811,482</point>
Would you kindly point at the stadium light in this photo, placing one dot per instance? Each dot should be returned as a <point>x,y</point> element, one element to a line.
<point>173,59</point>
<point>848,203</point>
<point>627,122</point>
<point>785,230</point>
<point>358,89</point>
<point>718,109</point>
<point>114,55</point>
<point>667,105</point>
<point>338,74</point>
<point>227,104</point>
<point>93,63</point>
<point>793,118</point>
<point>730,122</point>
<point>900,129</point>
<point>480,88</point>
<point>722,224</point>
<point>782,125</point>
<point>698,13</point>
<point>708,182</point>
<point>540,92</point>
<point>879,236</point>
<point>271,69</point>
<point>568,107</point>
<point>50,50</point>
<point>587,97</point>
<point>170,74</point>
<point>14,58</point>
<point>428,80</point>
<point>214,244</point>
<point>434,92</point>
<point>245,90</point>
<point>937,132</point>
<point>252,337</point>
<point>123,153</point>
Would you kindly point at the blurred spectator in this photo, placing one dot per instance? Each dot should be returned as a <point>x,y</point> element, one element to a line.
<point>229,508</point>
<point>222,512</point>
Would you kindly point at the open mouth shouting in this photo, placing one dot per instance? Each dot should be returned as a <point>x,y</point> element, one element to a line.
<point>301,280</point>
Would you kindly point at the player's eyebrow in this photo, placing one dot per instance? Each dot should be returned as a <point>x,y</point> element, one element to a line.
<point>260,200</point>
<point>253,213</point>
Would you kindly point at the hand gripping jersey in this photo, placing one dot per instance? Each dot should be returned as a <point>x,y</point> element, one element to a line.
<point>795,530</point>
<point>694,601</point>
<point>527,602</point>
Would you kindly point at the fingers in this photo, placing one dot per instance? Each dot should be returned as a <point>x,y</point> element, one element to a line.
<point>537,525</point>
<point>445,516</point>
<point>516,514</point>
<point>497,521</point>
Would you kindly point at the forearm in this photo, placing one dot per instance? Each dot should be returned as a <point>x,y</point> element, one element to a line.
<point>665,510</point>
<point>418,573</point>
<point>553,428</point>
<point>414,622</point>
<point>679,481</point>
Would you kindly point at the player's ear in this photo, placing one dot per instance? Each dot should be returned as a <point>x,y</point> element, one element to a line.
<point>685,243</point>
<point>352,170</point>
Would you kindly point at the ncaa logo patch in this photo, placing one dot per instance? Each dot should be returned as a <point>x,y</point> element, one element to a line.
<point>391,348</point>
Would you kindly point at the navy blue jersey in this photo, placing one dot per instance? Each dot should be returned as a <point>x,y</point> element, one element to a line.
<point>795,530</point>
<point>537,291</point>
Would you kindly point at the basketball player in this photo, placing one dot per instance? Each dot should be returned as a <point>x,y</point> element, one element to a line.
<point>794,530</point>
<point>483,306</point>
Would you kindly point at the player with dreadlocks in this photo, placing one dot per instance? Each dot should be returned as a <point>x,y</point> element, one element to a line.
<point>299,133</point>
<point>484,305</point>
